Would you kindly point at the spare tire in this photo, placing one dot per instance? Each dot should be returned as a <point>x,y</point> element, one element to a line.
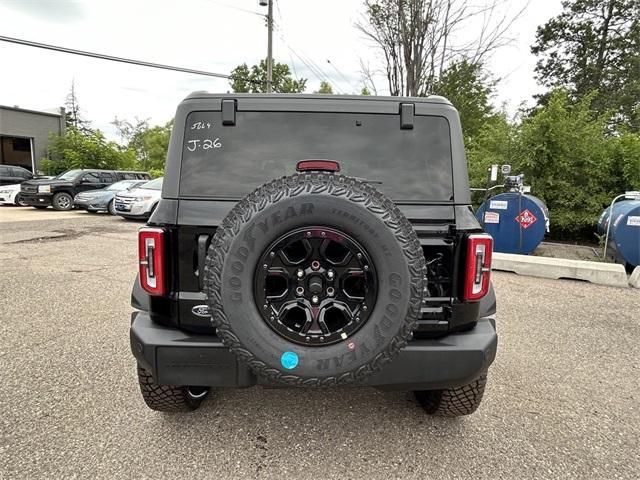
<point>315,280</point>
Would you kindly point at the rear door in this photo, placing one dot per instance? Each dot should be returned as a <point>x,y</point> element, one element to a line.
<point>88,181</point>
<point>222,160</point>
<point>107,178</point>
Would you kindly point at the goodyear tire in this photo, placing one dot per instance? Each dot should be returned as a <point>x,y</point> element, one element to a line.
<point>327,215</point>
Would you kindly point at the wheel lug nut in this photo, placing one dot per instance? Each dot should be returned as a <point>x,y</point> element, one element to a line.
<point>300,273</point>
<point>359,255</point>
<point>366,267</point>
<point>315,265</point>
<point>330,291</point>
<point>315,299</point>
<point>330,274</point>
<point>299,291</point>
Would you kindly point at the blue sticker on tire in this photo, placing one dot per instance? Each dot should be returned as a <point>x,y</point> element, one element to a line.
<point>289,360</point>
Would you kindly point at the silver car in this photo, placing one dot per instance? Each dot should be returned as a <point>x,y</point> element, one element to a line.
<point>139,202</point>
<point>102,200</point>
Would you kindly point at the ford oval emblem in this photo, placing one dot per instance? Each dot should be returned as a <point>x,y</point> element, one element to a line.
<point>201,310</point>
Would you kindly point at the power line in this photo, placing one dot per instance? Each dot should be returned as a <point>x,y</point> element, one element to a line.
<point>111,58</point>
<point>309,63</point>
<point>339,73</point>
<point>315,70</point>
<point>233,7</point>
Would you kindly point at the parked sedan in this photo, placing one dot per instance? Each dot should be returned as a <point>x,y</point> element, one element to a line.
<point>10,195</point>
<point>139,202</point>
<point>102,200</point>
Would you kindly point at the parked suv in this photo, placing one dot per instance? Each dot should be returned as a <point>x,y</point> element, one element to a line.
<point>60,191</point>
<point>314,241</point>
<point>10,175</point>
<point>139,202</point>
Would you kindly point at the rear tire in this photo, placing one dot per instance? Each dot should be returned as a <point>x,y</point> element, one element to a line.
<point>62,201</point>
<point>169,398</point>
<point>453,402</point>
<point>111,208</point>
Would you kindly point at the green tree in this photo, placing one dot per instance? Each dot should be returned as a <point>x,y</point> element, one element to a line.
<point>594,45</point>
<point>624,153</point>
<point>496,141</point>
<point>254,79</point>
<point>567,161</point>
<point>466,85</point>
<point>76,149</point>
<point>325,87</point>
<point>365,92</point>
<point>149,144</point>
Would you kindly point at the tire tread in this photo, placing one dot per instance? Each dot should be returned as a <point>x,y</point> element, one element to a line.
<point>164,398</point>
<point>453,402</point>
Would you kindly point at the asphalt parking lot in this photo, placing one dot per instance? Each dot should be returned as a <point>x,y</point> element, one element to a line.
<point>563,399</point>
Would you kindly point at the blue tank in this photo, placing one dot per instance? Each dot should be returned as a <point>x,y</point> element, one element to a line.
<point>624,235</point>
<point>516,222</point>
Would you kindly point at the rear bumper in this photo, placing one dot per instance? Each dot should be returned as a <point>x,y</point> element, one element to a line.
<point>37,199</point>
<point>180,358</point>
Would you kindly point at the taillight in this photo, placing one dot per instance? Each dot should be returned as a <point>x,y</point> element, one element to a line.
<point>323,165</point>
<point>478,266</point>
<point>151,260</point>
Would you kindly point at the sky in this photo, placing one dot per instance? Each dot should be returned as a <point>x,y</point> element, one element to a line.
<point>211,35</point>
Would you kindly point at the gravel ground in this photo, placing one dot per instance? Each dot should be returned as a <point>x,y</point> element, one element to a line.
<point>562,400</point>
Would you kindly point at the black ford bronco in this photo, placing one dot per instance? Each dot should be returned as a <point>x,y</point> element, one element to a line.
<point>314,241</point>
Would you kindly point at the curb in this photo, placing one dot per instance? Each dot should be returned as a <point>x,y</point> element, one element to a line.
<point>611,274</point>
<point>634,279</point>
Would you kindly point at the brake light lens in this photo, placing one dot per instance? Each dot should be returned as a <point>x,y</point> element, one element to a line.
<point>325,165</point>
<point>151,260</point>
<point>478,266</point>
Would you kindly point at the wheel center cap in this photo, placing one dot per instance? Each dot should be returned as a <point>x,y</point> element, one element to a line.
<point>315,284</point>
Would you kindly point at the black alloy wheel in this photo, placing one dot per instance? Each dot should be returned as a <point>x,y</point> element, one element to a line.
<point>315,286</point>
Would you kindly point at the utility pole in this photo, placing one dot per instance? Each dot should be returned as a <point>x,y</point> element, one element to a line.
<point>269,4</point>
<point>270,47</point>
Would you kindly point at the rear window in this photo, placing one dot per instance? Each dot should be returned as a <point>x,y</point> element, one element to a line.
<point>230,161</point>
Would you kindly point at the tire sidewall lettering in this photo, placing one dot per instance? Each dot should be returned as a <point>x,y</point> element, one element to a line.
<point>244,240</point>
